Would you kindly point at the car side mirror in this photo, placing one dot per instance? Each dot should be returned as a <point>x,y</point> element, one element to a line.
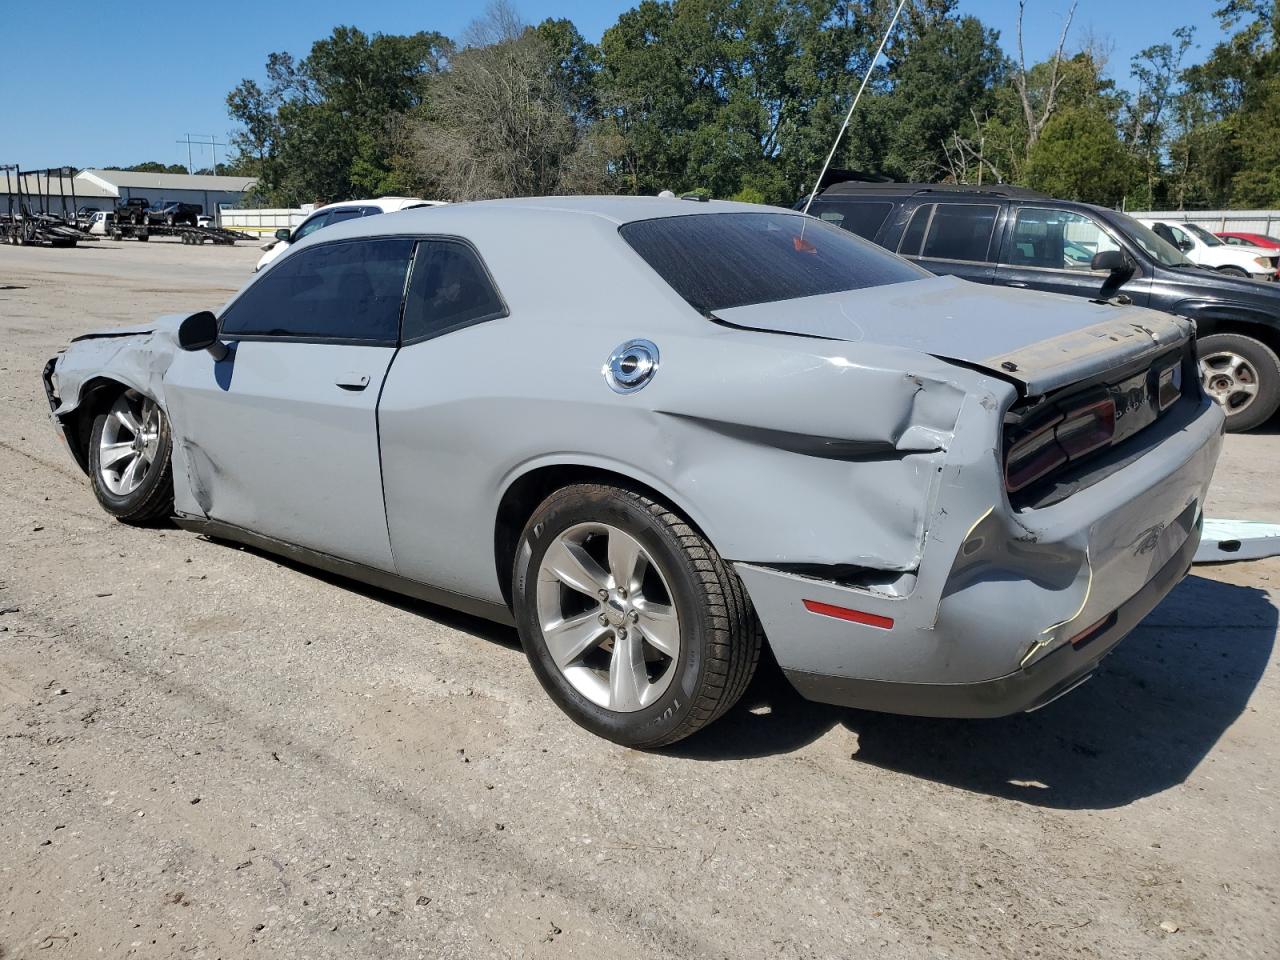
<point>1186,246</point>
<point>1113,261</point>
<point>200,332</point>
<point>284,233</point>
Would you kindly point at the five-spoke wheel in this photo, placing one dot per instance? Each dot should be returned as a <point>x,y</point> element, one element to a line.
<point>606,616</point>
<point>632,622</point>
<point>129,465</point>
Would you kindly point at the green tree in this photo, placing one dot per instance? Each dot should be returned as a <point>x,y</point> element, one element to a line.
<point>1079,156</point>
<point>326,127</point>
<point>940,72</point>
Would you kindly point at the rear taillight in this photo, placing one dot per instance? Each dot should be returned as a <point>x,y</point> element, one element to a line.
<point>1075,434</point>
<point>1087,429</point>
<point>1032,457</point>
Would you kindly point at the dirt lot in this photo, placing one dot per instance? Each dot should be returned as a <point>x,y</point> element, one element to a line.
<point>207,753</point>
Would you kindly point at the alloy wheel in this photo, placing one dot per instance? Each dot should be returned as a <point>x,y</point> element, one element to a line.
<point>1229,379</point>
<point>608,617</point>
<point>129,441</point>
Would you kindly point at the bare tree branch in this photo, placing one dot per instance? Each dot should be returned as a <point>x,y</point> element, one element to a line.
<point>1037,119</point>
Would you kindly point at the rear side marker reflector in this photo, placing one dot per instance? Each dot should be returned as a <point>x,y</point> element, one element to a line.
<point>844,613</point>
<point>1093,631</point>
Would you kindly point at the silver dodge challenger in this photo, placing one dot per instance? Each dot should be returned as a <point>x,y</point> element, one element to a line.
<point>657,434</point>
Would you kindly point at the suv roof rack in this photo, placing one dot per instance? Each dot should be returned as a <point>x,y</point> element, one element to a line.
<point>912,189</point>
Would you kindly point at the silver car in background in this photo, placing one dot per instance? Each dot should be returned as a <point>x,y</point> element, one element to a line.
<point>656,434</point>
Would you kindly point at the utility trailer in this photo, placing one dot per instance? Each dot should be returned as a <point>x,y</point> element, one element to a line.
<point>29,219</point>
<point>187,234</point>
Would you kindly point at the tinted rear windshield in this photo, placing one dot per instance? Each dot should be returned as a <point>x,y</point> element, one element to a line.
<point>721,260</point>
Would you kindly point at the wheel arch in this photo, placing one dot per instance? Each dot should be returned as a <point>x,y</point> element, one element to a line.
<point>95,394</point>
<point>526,491</point>
<point>1224,318</point>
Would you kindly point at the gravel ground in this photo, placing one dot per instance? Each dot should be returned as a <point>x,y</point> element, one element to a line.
<point>205,752</point>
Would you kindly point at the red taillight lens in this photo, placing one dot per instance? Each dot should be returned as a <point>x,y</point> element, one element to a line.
<point>1079,432</point>
<point>1032,457</point>
<point>1088,429</point>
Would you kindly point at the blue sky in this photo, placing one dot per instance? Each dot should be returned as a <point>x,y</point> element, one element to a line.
<point>108,112</point>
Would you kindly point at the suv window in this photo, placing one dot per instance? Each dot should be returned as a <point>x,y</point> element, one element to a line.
<point>864,219</point>
<point>350,290</point>
<point>450,288</point>
<point>1056,239</point>
<point>716,261</point>
<point>311,226</point>
<point>960,231</point>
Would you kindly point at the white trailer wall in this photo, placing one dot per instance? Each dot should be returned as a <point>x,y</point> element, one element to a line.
<point>1219,221</point>
<point>263,221</point>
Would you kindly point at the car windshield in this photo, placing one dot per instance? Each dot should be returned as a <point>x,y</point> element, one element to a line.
<point>1208,238</point>
<point>716,261</point>
<point>1161,251</point>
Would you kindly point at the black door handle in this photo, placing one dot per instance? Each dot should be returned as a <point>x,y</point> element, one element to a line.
<point>352,381</point>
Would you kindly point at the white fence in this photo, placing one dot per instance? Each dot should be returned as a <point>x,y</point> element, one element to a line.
<point>265,221</point>
<point>1218,221</point>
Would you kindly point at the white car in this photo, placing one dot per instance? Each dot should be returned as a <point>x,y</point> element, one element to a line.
<point>204,220</point>
<point>336,213</point>
<point>1203,248</point>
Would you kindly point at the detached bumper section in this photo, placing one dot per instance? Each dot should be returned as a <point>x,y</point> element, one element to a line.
<point>1008,610</point>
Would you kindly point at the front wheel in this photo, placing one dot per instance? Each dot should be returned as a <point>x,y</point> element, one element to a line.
<point>129,463</point>
<point>1243,375</point>
<point>633,624</point>
<point>1234,272</point>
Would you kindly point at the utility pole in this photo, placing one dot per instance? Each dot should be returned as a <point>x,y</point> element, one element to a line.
<point>212,142</point>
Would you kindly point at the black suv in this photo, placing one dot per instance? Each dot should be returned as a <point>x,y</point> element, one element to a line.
<point>133,210</point>
<point>173,213</point>
<point>1020,238</point>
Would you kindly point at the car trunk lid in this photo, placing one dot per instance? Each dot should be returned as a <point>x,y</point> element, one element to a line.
<point>1040,341</point>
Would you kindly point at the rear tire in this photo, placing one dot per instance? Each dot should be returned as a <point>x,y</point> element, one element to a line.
<point>132,434</point>
<point>680,621</point>
<point>1243,375</point>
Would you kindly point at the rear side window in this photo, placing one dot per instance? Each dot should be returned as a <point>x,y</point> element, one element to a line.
<point>960,231</point>
<point>864,219</point>
<point>716,261</point>
<point>913,236</point>
<point>350,291</point>
<point>450,288</point>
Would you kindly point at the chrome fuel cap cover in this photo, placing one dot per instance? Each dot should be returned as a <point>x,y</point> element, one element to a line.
<point>631,366</point>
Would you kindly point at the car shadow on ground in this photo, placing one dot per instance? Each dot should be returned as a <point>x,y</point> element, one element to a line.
<point>1142,724</point>
<point>498,633</point>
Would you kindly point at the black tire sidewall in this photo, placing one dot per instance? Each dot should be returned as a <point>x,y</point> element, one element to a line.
<point>654,723</point>
<point>129,505</point>
<point>1267,365</point>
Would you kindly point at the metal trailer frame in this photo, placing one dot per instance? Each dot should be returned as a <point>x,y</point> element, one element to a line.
<point>27,226</point>
<point>187,234</point>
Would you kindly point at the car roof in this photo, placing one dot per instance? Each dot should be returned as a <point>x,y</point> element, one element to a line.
<point>538,214</point>
<point>850,188</point>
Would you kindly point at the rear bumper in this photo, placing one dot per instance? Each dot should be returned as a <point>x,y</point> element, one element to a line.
<point>1026,689</point>
<point>985,626</point>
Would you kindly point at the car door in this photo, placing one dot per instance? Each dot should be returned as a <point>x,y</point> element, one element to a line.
<point>955,239</point>
<point>432,420</point>
<point>1051,249</point>
<point>281,436</point>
